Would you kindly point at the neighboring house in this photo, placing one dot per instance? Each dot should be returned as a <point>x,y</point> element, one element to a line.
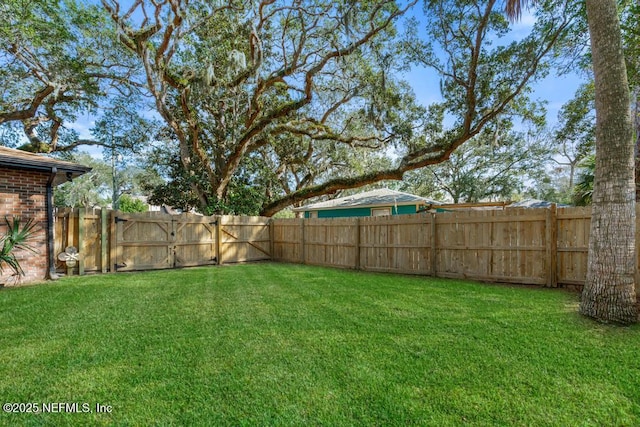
<point>371,203</point>
<point>26,190</point>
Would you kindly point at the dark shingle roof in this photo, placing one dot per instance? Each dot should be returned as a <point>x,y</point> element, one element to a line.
<point>17,159</point>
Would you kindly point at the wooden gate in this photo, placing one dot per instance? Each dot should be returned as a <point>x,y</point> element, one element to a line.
<point>195,240</point>
<point>151,241</point>
<point>243,238</point>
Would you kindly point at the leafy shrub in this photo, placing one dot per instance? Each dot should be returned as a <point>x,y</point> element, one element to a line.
<point>130,205</point>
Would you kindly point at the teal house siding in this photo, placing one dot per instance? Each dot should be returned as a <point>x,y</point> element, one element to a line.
<point>406,210</point>
<point>365,211</point>
<point>341,213</point>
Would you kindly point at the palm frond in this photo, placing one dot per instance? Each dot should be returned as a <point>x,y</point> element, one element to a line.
<point>513,8</point>
<point>16,238</point>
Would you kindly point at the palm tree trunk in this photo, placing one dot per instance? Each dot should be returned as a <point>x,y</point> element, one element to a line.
<point>609,292</point>
<point>635,96</point>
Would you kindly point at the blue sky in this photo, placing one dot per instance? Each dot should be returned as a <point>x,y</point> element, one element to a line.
<point>555,90</point>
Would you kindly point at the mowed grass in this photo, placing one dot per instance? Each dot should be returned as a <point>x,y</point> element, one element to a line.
<point>277,344</point>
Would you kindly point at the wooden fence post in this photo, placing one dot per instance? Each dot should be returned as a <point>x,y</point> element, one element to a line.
<point>219,238</point>
<point>434,263</point>
<point>81,227</point>
<point>113,247</point>
<point>357,244</point>
<point>272,244</point>
<point>551,236</point>
<point>71,227</point>
<point>302,251</point>
<point>104,236</point>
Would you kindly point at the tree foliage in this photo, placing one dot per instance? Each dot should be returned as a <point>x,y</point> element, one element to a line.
<point>58,60</point>
<point>95,188</point>
<point>575,132</point>
<point>306,90</point>
<point>583,189</point>
<point>88,190</point>
<point>126,137</point>
<point>488,167</point>
<point>131,205</point>
<point>168,185</point>
<point>275,101</point>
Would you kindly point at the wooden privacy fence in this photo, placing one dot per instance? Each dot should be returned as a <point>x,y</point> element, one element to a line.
<point>547,247</point>
<point>529,246</point>
<point>110,241</point>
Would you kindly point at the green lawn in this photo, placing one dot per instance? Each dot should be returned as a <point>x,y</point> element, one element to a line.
<point>277,344</point>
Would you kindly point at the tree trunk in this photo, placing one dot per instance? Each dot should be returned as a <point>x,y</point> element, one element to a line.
<point>609,291</point>
<point>636,122</point>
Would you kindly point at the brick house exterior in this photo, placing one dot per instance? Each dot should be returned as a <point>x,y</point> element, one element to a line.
<point>26,191</point>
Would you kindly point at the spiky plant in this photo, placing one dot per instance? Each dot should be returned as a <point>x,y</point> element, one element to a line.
<point>16,238</point>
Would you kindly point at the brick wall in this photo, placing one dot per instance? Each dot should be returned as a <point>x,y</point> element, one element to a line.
<point>23,194</point>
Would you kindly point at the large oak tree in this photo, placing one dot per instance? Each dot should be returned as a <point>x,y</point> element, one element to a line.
<point>306,88</point>
<point>292,99</point>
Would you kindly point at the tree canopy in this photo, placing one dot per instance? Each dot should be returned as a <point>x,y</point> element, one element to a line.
<point>488,167</point>
<point>273,101</point>
<point>58,61</point>
<point>294,95</point>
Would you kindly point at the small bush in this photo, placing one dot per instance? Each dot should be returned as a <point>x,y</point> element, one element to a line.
<point>130,205</point>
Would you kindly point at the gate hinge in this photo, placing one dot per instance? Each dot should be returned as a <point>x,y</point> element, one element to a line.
<point>118,219</point>
<point>117,266</point>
